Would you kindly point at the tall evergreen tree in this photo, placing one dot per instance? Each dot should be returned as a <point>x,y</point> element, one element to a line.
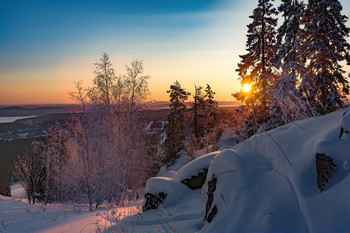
<point>325,48</point>
<point>256,66</point>
<point>288,59</point>
<point>174,130</point>
<point>289,40</point>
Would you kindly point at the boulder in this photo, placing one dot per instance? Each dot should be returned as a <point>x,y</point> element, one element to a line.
<point>325,168</point>
<point>153,201</point>
<point>196,182</point>
<point>210,211</point>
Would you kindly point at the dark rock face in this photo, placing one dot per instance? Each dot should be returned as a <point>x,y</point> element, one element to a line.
<point>196,182</point>
<point>211,212</point>
<point>152,201</point>
<point>325,168</point>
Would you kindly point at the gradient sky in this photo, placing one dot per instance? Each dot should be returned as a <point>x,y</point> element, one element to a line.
<point>46,45</point>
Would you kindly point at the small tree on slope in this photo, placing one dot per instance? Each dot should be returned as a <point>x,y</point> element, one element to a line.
<point>174,130</point>
<point>212,129</point>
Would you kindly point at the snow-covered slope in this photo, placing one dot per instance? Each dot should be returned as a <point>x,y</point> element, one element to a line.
<point>17,216</point>
<point>268,182</point>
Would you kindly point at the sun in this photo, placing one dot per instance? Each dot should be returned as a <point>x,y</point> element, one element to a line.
<point>246,87</point>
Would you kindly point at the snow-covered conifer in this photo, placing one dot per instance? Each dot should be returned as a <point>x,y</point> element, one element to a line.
<point>289,42</point>
<point>288,59</point>
<point>174,130</point>
<point>256,66</point>
<point>325,47</point>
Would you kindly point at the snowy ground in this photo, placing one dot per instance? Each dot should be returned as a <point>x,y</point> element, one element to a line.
<point>16,215</point>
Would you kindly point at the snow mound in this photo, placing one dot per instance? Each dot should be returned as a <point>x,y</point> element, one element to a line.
<point>168,186</point>
<point>227,139</point>
<point>179,163</point>
<point>194,167</point>
<point>268,182</point>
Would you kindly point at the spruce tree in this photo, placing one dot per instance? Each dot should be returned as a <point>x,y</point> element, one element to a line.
<point>256,66</point>
<point>289,40</point>
<point>212,129</point>
<point>174,129</point>
<point>210,108</point>
<point>198,113</point>
<point>288,59</point>
<point>325,48</point>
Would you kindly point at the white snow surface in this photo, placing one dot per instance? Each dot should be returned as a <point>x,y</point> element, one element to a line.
<point>194,167</point>
<point>17,216</point>
<point>266,183</point>
<point>168,186</point>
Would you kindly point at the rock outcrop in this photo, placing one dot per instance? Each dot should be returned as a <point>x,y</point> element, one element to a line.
<point>325,168</point>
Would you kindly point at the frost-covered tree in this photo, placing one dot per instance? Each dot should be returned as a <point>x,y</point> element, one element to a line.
<point>80,95</point>
<point>55,157</point>
<point>31,173</point>
<point>289,41</point>
<point>212,129</point>
<point>135,85</point>
<point>256,66</point>
<point>325,48</point>
<point>288,59</point>
<point>174,129</point>
<point>104,78</point>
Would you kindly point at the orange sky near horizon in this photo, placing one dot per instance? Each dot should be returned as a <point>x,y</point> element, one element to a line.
<point>195,47</point>
<point>199,54</point>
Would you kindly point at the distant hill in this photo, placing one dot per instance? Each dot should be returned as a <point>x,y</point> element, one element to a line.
<point>157,105</point>
<point>11,111</point>
<point>39,110</point>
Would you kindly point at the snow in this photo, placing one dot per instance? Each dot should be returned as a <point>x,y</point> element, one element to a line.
<point>227,139</point>
<point>194,167</point>
<point>168,186</point>
<point>18,191</point>
<point>186,215</point>
<point>13,119</point>
<point>179,163</point>
<point>16,215</point>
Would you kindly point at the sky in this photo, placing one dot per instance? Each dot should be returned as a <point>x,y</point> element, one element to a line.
<point>46,45</point>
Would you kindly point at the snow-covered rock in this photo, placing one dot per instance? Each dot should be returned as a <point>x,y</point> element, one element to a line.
<point>169,187</point>
<point>195,166</point>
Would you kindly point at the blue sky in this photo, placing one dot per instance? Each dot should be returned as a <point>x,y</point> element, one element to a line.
<point>46,45</point>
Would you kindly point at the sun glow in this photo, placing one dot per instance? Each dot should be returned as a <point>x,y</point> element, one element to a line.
<point>246,87</point>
